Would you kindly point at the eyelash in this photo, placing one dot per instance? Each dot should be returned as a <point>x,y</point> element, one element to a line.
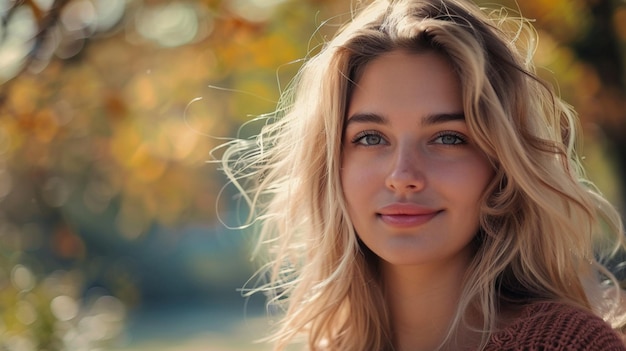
<point>364,134</point>
<point>460,138</point>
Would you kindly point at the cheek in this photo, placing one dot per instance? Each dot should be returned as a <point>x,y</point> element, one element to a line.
<point>357,183</point>
<point>349,182</point>
<point>472,175</point>
<point>475,193</point>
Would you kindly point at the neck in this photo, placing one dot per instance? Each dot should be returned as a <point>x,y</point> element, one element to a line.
<point>422,302</point>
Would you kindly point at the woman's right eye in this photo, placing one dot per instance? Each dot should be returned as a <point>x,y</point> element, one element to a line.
<point>368,138</point>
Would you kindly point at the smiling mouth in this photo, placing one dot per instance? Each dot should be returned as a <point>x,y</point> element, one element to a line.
<point>403,220</point>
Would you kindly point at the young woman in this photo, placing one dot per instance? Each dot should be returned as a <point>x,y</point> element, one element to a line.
<point>419,190</point>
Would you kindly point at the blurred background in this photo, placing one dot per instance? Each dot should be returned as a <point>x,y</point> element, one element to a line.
<point>113,235</point>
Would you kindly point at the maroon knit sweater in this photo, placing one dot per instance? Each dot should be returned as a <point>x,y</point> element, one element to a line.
<point>556,327</point>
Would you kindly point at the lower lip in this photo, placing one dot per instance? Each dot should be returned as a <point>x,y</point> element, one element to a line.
<point>407,221</point>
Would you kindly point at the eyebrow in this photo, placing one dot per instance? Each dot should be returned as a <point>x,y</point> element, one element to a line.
<point>426,121</point>
<point>442,118</point>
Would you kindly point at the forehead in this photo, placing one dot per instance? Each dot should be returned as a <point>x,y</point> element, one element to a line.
<point>407,64</point>
<point>404,81</point>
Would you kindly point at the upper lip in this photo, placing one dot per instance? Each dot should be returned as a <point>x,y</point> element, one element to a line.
<point>406,209</point>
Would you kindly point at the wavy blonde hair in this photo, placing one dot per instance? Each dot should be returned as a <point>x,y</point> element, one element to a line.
<point>545,232</point>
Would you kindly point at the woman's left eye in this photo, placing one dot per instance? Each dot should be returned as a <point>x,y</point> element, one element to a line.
<point>450,138</point>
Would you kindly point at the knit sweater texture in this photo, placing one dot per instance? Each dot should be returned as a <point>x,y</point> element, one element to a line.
<point>556,327</point>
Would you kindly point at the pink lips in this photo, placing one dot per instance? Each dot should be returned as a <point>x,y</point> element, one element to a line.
<point>406,215</point>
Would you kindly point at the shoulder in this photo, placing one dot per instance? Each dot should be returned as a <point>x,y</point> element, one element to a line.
<point>555,326</point>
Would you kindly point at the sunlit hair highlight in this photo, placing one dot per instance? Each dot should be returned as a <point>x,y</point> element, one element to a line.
<point>546,232</point>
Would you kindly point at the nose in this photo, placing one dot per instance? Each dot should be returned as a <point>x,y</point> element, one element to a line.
<point>406,171</point>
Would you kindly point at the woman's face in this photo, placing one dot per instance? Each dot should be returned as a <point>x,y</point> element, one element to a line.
<point>411,175</point>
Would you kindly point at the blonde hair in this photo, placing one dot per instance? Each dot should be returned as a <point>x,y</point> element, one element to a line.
<point>545,232</point>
